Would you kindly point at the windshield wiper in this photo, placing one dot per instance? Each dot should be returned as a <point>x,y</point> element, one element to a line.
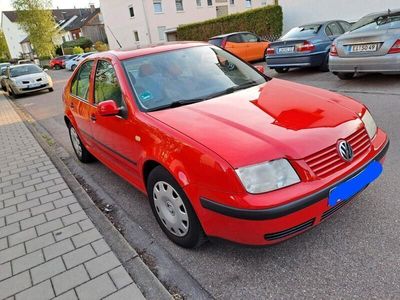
<point>183,102</point>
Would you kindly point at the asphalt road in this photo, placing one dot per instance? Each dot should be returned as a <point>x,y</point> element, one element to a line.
<point>354,254</point>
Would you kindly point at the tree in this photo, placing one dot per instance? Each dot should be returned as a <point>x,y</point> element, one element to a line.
<point>77,50</point>
<point>4,53</point>
<point>36,19</point>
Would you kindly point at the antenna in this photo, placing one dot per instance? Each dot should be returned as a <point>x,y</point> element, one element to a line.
<point>119,44</point>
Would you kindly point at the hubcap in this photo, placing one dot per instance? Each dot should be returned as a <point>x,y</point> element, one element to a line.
<point>170,208</point>
<point>76,143</point>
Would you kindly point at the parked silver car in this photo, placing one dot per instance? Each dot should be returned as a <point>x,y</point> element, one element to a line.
<point>26,78</point>
<point>371,46</point>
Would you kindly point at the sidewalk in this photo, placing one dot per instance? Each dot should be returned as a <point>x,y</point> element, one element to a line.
<point>48,246</point>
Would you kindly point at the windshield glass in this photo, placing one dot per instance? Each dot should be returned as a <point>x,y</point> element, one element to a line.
<point>187,75</point>
<point>377,22</point>
<point>302,31</point>
<point>24,70</point>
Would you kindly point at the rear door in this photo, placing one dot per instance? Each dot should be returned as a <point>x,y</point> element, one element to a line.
<point>235,44</point>
<point>79,101</point>
<point>114,135</point>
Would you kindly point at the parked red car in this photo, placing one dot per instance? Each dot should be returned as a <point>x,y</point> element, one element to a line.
<point>220,149</point>
<point>59,62</point>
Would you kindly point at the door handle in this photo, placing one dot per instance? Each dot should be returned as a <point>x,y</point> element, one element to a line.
<point>72,105</point>
<point>93,117</point>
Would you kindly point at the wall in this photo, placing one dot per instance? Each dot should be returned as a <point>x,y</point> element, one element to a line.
<point>299,12</point>
<point>14,35</point>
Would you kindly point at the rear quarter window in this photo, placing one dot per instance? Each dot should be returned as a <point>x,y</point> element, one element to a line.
<point>216,42</point>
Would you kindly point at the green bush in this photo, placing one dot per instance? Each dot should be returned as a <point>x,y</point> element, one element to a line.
<point>100,46</point>
<point>77,50</point>
<point>265,21</point>
<point>81,42</point>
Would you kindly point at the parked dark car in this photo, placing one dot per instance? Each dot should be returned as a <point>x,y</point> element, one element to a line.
<point>305,46</point>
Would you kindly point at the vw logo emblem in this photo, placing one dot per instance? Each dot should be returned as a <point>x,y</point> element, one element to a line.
<point>345,150</point>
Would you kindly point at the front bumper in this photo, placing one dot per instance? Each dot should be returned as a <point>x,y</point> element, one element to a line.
<point>273,225</point>
<point>389,64</point>
<point>19,90</point>
<point>294,61</point>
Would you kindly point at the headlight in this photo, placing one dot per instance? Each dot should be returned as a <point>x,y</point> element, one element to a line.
<point>369,124</point>
<point>267,176</point>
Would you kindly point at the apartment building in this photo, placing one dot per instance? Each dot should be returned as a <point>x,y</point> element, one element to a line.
<point>136,23</point>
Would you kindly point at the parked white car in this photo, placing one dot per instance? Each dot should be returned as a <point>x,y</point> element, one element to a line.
<point>26,78</point>
<point>71,64</point>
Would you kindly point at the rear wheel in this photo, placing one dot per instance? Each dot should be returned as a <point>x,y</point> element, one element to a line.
<point>282,70</point>
<point>345,76</point>
<point>80,150</point>
<point>173,210</point>
<point>57,67</point>
<point>51,89</point>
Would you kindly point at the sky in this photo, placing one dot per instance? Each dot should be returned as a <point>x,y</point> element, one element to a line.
<point>6,4</point>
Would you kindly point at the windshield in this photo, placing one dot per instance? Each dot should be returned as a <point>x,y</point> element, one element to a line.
<point>302,31</point>
<point>377,22</point>
<point>24,70</point>
<point>187,75</point>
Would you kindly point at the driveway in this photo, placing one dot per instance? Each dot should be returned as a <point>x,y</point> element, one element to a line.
<point>354,254</point>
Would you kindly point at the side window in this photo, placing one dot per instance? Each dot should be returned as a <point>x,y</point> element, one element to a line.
<point>346,26</point>
<point>234,38</point>
<point>80,84</point>
<point>334,29</point>
<point>106,86</point>
<point>249,38</point>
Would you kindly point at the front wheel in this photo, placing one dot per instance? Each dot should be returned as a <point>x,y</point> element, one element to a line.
<point>282,70</point>
<point>345,76</point>
<point>73,67</point>
<point>57,67</point>
<point>173,210</point>
<point>80,150</point>
<point>51,89</point>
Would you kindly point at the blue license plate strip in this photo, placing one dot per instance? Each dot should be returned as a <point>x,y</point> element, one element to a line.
<point>345,190</point>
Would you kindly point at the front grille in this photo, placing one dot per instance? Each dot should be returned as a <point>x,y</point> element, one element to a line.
<point>35,88</point>
<point>290,231</point>
<point>327,161</point>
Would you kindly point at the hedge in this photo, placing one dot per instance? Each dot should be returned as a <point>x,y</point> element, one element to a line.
<point>265,22</point>
<point>82,42</point>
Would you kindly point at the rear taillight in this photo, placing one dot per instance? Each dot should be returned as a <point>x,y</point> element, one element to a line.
<point>305,47</point>
<point>223,43</point>
<point>395,48</point>
<point>333,51</point>
<point>270,51</point>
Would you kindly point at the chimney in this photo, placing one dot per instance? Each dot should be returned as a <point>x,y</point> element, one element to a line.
<point>92,8</point>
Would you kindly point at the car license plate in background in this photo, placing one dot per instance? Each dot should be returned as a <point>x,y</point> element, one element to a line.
<point>364,48</point>
<point>286,50</point>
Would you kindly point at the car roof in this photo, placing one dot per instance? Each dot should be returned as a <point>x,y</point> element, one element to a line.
<point>322,22</point>
<point>384,12</point>
<point>123,54</point>
<point>228,34</point>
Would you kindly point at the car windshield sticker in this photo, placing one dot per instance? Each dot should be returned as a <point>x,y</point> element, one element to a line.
<point>146,96</point>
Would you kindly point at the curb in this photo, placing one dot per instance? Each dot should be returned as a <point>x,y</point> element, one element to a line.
<point>146,281</point>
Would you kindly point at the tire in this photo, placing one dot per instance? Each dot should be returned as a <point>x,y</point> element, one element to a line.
<point>345,76</point>
<point>172,209</point>
<point>325,64</point>
<point>281,70</point>
<point>57,67</point>
<point>80,150</point>
<point>51,90</point>
<point>73,67</point>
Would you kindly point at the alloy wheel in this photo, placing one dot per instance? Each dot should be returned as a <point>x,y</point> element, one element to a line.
<point>76,143</point>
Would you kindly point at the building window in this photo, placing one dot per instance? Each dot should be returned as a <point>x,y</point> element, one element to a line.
<point>179,5</point>
<point>198,2</point>
<point>136,34</point>
<point>209,2</point>
<point>248,3</point>
<point>131,11</point>
<point>161,32</point>
<point>232,2</point>
<point>157,6</point>
<point>263,3</point>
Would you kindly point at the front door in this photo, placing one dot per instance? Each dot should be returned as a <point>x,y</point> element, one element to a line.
<point>79,104</point>
<point>114,135</point>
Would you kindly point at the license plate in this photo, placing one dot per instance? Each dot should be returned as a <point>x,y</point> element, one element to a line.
<point>345,190</point>
<point>286,50</point>
<point>34,85</point>
<point>364,48</point>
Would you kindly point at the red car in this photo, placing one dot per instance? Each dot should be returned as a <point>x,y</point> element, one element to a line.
<point>59,62</point>
<point>220,149</point>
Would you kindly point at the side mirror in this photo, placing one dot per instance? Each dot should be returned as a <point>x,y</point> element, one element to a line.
<point>107,108</point>
<point>260,69</point>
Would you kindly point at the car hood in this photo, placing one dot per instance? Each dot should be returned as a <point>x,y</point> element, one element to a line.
<point>274,120</point>
<point>33,76</point>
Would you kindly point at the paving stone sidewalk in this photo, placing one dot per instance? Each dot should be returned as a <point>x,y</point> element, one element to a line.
<point>49,248</point>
